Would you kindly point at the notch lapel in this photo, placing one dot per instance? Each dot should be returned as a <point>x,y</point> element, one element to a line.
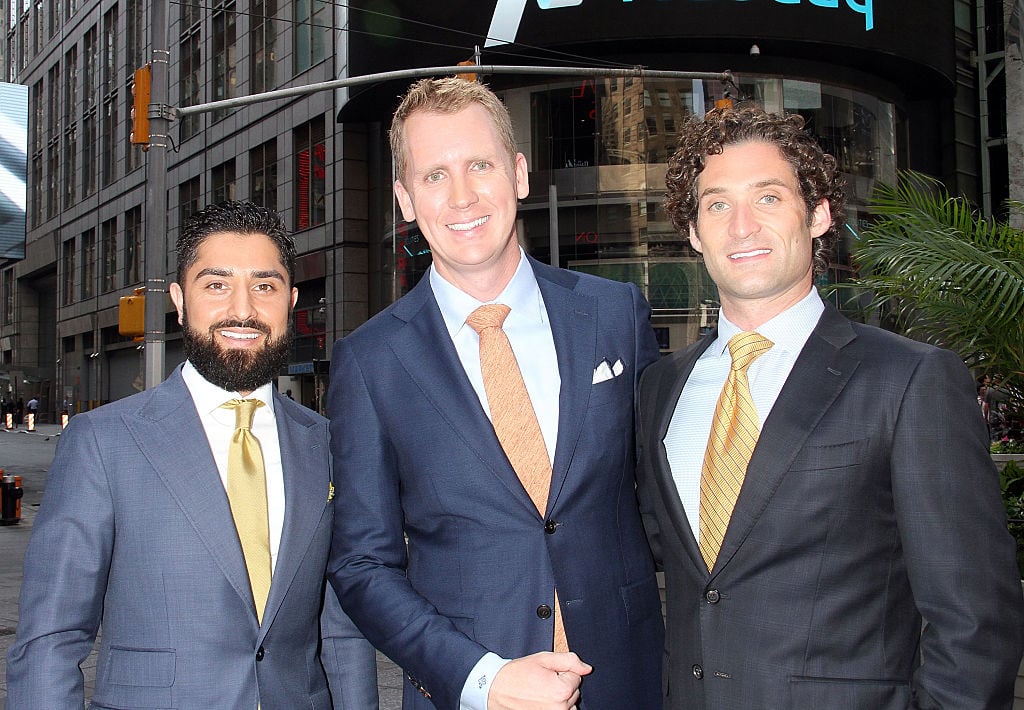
<point>427,354</point>
<point>819,375</point>
<point>306,477</point>
<point>667,392</point>
<point>191,475</point>
<point>573,321</point>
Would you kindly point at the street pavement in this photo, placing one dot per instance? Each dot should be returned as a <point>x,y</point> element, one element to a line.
<point>28,454</point>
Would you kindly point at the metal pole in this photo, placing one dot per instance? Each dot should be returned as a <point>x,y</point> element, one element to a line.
<point>636,72</point>
<point>156,201</point>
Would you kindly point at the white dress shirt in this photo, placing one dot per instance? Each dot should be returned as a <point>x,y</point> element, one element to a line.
<point>219,425</point>
<point>686,440</point>
<point>529,333</point>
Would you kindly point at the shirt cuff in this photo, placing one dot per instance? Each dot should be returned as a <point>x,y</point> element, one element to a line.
<point>478,684</point>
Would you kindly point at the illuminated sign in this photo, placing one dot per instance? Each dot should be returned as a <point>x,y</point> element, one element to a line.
<point>13,153</point>
<point>508,14</point>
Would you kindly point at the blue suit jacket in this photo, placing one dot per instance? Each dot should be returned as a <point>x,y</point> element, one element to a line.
<point>135,535</point>
<point>870,502</point>
<point>416,455</point>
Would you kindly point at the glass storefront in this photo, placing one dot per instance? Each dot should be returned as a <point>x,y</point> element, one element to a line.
<point>597,151</point>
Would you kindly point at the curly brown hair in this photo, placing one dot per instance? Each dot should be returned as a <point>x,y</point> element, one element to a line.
<point>816,170</point>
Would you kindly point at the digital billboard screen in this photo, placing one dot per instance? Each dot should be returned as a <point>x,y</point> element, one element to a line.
<point>13,154</point>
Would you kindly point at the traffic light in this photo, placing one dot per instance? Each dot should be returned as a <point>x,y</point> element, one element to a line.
<point>140,106</point>
<point>131,315</point>
<point>467,63</point>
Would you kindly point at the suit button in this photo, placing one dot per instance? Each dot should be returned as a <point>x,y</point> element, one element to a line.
<point>713,596</point>
<point>698,672</point>
<point>259,654</point>
<point>544,611</point>
<point>549,527</point>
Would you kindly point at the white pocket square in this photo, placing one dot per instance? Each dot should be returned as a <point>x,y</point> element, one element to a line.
<point>604,371</point>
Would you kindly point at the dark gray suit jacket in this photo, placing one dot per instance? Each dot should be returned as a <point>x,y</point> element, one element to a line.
<point>135,534</point>
<point>870,503</point>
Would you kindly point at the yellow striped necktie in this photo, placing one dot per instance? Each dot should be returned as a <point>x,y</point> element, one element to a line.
<point>514,419</point>
<point>247,493</point>
<point>734,432</point>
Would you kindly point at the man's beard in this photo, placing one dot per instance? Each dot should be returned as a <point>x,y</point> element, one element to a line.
<point>236,369</point>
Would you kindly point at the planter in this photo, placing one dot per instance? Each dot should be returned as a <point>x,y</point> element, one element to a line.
<point>1001,459</point>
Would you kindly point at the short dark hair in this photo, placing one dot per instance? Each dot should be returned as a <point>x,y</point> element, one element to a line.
<point>238,217</point>
<point>817,173</point>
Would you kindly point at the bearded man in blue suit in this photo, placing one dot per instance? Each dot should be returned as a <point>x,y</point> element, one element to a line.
<point>137,534</point>
<point>441,555</point>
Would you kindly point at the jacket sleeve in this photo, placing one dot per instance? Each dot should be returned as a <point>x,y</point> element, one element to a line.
<point>349,660</point>
<point>960,558</point>
<point>368,553</point>
<point>65,572</point>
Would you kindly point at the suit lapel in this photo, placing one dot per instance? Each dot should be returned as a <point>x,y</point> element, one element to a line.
<point>818,377</point>
<point>428,355</point>
<point>573,320</point>
<point>667,391</point>
<point>305,491</point>
<point>190,474</point>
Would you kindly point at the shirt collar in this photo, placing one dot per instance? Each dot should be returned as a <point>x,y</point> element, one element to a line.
<point>522,295</point>
<point>788,331</point>
<point>208,397</point>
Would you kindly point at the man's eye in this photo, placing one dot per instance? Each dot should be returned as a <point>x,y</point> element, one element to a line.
<point>215,286</point>
<point>717,207</point>
<point>770,199</point>
<point>265,287</point>
<point>434,177</point>
<point>481,165</point>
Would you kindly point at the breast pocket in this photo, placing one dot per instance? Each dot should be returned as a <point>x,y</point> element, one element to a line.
<point>829,457</point>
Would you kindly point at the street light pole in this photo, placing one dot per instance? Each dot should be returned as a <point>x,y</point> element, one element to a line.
<point>155,245</point>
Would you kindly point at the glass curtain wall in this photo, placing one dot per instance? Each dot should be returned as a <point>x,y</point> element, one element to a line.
<point>598,150</point>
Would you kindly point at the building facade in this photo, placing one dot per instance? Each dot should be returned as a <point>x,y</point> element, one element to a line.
<point>884,84</point>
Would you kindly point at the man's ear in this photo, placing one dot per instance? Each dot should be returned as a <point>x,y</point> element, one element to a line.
<point>405,202</point>
<point>821,219</point>
<point>695,239</point>
<point>178,297</point>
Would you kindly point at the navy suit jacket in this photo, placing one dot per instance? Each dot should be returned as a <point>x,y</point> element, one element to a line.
<point>870,502</point>
<point>135,534</point>
<point>416,456</point>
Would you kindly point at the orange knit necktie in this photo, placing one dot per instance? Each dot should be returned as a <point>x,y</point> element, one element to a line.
<point>514,419</point>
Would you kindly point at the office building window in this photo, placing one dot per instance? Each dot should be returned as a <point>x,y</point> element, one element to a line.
<point>310,174</point>
<point>109,275</point>
<point>222,179</point>
<point>53,20</point>
<point>53,142</point>
<point>70,127</point>
<point>189,196</point>
<point>36,151</point>
<point>190,67</point>
<point>68,272</point>
<point>88,263</point>
<point>263,174</point>
<point>133,246</point>
<point>91,76</point>
<point>224,55</point>
<point>312,23</point>
<point>135,35</point>
<point>8,296</point>
<point>262,38</point>
<point>108,153</point>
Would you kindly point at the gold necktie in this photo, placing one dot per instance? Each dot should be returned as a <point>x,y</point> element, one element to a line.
<point>247,493</point>
<point>734,433</point>
<point>514,419</point>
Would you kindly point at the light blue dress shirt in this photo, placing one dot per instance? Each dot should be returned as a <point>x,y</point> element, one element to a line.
<point>529,333</point>
<point>687,437</point>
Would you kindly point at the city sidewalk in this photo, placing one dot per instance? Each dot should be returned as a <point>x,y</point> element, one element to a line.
<point>28,454</point>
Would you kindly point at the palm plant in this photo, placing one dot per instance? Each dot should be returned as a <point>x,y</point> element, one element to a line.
<point>947,275</point>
